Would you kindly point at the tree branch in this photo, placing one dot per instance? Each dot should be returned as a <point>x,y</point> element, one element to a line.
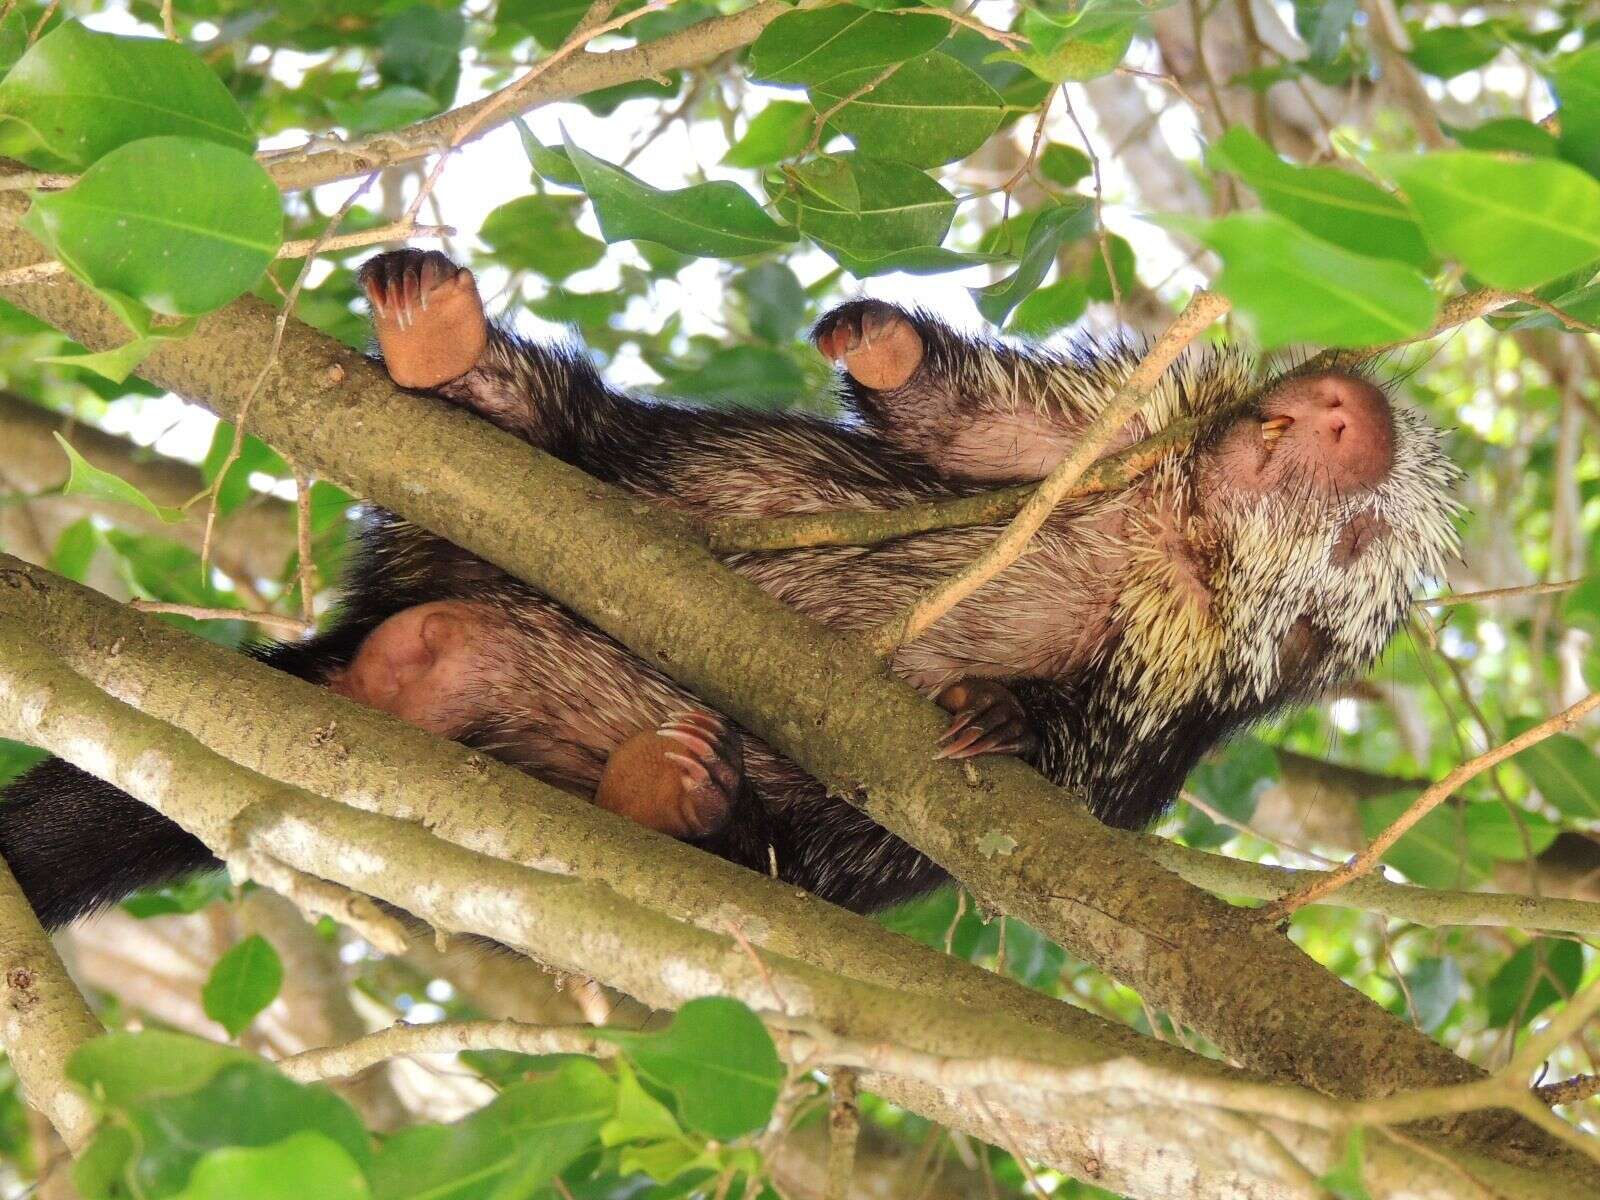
<point>815,695</point>
<point>318,163</point>
<point>43,1016</point>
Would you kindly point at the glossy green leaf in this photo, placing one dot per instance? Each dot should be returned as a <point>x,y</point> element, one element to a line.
<point>1064,223</point>
<point>779,131</point>
<point>509,1148</point>
<point>385,109</point>
<point>420,47</point>
<point>931,110</point>
<point>77,95</point>
<point>1050,308</point>
<point>774,301</point>
<point>1450,50</point>
<point>83,479</point>
<point>719,220</point>
<point>177,225</point>
<point>1335,205</point>
<point>901,209</point>
<point>717,1059</point>
<point>1290,286</point>
<point>817,44</point>
<point>303,1165</point>
<point>639,1115</point>
<point>1514,223</point>
<point>1563,768</point>
<point>1344,1180</point>
<point>540,233</point>
<point>1575,79</point>
<point>15,758</point>
<point>1544,972</point>
<point>744,376</point>
<point>549,162</point>
<point>74,550</point>
<point>242,983</point>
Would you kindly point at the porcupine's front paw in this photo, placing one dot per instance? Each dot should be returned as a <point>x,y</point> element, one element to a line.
<point>875,342</point>
<point>428,316</point>
<point>680,778</point>
<point>986,719</point>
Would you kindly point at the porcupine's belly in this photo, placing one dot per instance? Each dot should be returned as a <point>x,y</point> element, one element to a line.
<point>579,695</point>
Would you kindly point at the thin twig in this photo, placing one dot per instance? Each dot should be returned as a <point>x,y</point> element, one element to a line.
<point>1204,308</point>
<point>168,25</point>
<point>1576,324</point>
<point>1527,589</point>
<point>1101,234</point>
<point>279,327</point>
<point>844,1130</point>
<point>1569,1091</point>
<point>291,626</point>
<point>1430,799</point>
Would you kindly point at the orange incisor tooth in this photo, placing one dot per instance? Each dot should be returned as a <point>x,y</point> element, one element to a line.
<point>1272,429</point>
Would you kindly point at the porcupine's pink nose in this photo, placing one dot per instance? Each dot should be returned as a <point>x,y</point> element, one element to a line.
<point>1336,427</point>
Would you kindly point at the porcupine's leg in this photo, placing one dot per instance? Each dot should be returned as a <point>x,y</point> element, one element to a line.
<point>974,408</point>
<point>433,334</point>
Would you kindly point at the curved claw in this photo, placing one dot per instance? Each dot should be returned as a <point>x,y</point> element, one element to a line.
<point>986,719</point>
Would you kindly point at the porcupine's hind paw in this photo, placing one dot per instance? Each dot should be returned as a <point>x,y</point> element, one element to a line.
<point>428,316</point>
<point>876,343</point>
<point>680,778</point>
<point>986,718</point>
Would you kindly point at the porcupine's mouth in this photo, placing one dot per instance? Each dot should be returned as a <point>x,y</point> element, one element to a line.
<point>1330,432</point>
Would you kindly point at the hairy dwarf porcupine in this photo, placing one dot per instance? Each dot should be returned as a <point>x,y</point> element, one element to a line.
<point>1257,566</point>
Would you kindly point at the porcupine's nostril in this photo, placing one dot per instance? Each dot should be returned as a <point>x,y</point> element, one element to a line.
<point>1339,426</point>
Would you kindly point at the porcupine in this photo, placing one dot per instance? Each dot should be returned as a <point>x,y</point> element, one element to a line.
<point>1267,560</point>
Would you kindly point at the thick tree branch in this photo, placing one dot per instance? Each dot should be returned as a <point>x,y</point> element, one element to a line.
<point>815,695</point>
<point>43,1017</point>
<point>579,925</point>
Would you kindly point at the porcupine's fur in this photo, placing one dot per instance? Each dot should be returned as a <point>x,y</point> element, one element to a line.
<point>1140,628</point>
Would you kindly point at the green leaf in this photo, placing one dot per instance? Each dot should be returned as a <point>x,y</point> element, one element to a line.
<point>509,1148</point>
<point>714,220</point>
<point>539,233</point>
<point>1575,79</point>
<point>1563,768</point>
<point>1335,205</point>
<point>1514,223</point>
<point>244,981</point>
<point>1450,50</point>
<point>73,552</point>
<point>254,456</point>
<point>1085,44</point>
<point>549,162</point>
<point>779,131</point>
<point>1455,844</point>
<point>817,44</point>
<point>84,479</point>
<point>115,364</point>
<point>901,209</point>
<point>747,376</point>
<point>303,1165</point>
<point>717,1059</point>
<point>1048,231</point>
<point>1344,1179</point>
<point>125,1068</point>
<point>1523,987</point>
<point>1050,308</point>
<point>1064,165</point>
<point>77,95</point>
<point>420,47</point>
<point>932,110</point>
<point>191,895</point>
<point>774,300</point>
<point>639,1116</point>
<point>383,110</point>
<point>1435,985</point>
<point>1512,135</point>
<point>1290,286</point>
<point>15,758</point>
<point>180,226</point>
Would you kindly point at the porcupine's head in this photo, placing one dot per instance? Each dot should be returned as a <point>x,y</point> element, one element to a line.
<point>1270,559</point>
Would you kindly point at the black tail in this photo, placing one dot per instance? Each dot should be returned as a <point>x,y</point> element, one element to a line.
<point>75,843</point>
